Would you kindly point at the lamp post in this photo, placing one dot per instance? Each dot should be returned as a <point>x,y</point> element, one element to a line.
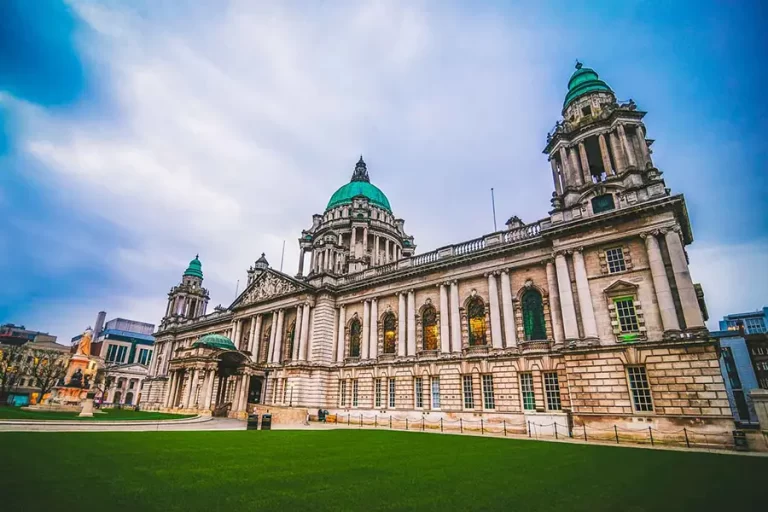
<point>290,388</point>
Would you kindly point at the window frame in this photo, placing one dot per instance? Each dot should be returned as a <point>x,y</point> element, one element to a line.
<point>526,381</point>
<point>391,393</point>
<point>637,406</point>
<point>468,392</point>
<point>434,395</point>
<point>355,390</point>
<point>552,395</point>
<point>489,398</point>
<point>619,260</point>
<point>377,393</point>
<point>634,318</point>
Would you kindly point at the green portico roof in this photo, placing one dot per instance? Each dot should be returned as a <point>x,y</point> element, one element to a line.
<point>194,269</point>
<point>215,341</point>
<point>583,81</point>
<point>360,185</point>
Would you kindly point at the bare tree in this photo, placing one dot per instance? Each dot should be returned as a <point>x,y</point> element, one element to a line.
<point>11,368</point>
<point>47,368</point>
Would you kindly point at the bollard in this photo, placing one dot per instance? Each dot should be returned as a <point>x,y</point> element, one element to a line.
<point>651,435</point>
<point>616,430</point>
<point>422,423</point>
<point>361,420</point>
<point>348,418</point>
<point>441,424</point>
<point>461,425</point>
<point>505,428</point>
<point>375,421</point>
<point>482,430</point>
<point>529,428</point>
<point>555,424</point>
<point>406,423</point>
<point>390,421</point>
<point>687,443</point>
<point>585,432</point>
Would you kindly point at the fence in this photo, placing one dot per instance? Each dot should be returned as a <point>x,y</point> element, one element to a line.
<point>683,438</point>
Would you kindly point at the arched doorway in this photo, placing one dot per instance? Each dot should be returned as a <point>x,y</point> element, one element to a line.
<point>129,398</point>
<point>254,389</point>
<point>118,396</point>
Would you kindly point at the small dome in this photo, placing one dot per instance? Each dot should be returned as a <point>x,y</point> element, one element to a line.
<point>195,268</point>
<point>583,81</point>
<point>215,341</point>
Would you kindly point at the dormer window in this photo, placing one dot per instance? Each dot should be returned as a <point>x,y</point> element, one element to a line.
<point>586,111</point>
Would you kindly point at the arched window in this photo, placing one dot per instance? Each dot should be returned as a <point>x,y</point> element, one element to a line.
<point>390,333</point>
<point>533,316</point>
<point>476,320</point>
<point>355,329</point>
<point>429,327</point>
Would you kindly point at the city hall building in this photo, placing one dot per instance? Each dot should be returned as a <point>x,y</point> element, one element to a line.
<point>588,315</point>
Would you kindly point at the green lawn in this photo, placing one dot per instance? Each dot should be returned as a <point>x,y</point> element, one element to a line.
<point>16,413</point>
<point>360,470</point>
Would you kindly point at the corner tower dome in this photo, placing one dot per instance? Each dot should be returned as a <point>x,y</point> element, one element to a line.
<point>583,81</point>
<point>195,268</point>
<point>359,185</point>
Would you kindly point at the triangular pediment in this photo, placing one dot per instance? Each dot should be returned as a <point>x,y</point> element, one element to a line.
<point>269,285</point>
<point>620,286</point>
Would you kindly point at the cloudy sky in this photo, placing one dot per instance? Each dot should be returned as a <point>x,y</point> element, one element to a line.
<point>134,135</point>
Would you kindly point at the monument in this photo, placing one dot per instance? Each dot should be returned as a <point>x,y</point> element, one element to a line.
<point>76,386</point>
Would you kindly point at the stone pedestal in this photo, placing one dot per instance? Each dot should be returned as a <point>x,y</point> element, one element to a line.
<point>87,410</point>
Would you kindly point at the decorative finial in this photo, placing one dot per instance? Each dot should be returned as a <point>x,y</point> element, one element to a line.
<point>578,64</point>
<point>361,171</point>
<point>197,256</point>
<point>361,161</point>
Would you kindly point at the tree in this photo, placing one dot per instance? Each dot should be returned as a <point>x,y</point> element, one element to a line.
<point>11,368</point>
<point>47,368</point>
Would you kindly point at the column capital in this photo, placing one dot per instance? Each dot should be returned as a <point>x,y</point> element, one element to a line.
<point>374,299</point>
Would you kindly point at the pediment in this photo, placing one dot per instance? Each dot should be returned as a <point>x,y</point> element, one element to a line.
<point>269,285</point>
<point>621,286</point>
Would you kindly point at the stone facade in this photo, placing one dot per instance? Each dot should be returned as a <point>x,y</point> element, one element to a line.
<point>587,316</point>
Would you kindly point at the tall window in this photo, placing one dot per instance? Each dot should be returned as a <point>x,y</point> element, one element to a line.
<point>526,389</point>
<point>429,326</point>
<point>355,330</point>
<point>641,391</point>
<point>626,314</point>
<point>552,391</point>
<point>354,393</point>
<point>533,316</point>
<point>377,393</point>
<point>489,401</point>
<point>343,394</point>
<point>392,393</point>
<point>419,392</point>
<point>265,343</point>
<point>754,325</point>
<point>111,353</point>
<point>121,351</point>
<point>143,356</point>
<point>290,336</point>
<point>435,392</point>
<point>476,320</point>
<point>390,333</point>
<point>615,260</point>
<point>469,399</point>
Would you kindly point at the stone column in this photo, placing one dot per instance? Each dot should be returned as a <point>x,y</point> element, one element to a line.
<point>644,153</point>
<point>188,392</point>
<point>575,166</point>
<point>243,398</point>
<point>301,261</point>
<point>556,176</point>
<point>312,260</point>
<point>411,323</point>
<point>570,326</point>
<point>236,333</point>
<point>455,318</point>
<point>210,379</point>
<point>342,327</point>
<point>585,164</point>
<point>236,395</point>
<point>566,167</point>
<point>585,296</point>
<point>272,333</point>
<point>493,296</point>
<point>304,340</point>
<point>297,334</point>
<point>402,316</point>
<point>256,338</point>
<point>628,150</point>
<point>365,241</point>
<point>688,299</point>
<point>445,320</point>
<point>353,242</point>
<point>618,152</point>
<point>169,390</point>
<point>554,304</point>
<point>279,336</point>
<point>366,329</point>
<point>604,154</point>
<point>510,331</point>
<point>661,284</point>
<point>374,336</point>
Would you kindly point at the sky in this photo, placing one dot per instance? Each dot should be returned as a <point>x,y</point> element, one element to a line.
<point>134,135</point>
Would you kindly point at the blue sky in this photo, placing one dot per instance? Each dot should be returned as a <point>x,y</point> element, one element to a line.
<point>134,135</point>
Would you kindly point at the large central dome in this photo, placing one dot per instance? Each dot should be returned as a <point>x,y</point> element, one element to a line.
<point>359,186</point>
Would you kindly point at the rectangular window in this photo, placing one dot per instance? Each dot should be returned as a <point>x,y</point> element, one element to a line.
<point>489,401</point>
<point>435,392</point>
<point>354,393</point>
<point>111,353</point>
<point>626,314</point>
<point>469,399</point>
<point>343,394</point>
<point>391,393</point>
<point>552,391</point>
<point>526,388</point>
<point>641,391</point>
<point>143,356</point>
<point>121,352</point>
<point>615,259</point>
<point>419,392</point>
<point>754,325</point>
<point>377,393</point>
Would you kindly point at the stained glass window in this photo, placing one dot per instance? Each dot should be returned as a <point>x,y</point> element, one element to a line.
<point>390,333</point>
<point>355,330</point>
<point>476,319</point>
<point>533,316</point>
<point>429,324</point>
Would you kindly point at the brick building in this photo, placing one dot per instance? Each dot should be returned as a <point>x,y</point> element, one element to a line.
<point>588,315</point>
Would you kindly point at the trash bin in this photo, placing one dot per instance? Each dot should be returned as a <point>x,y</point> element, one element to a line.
<point>740,441</point>
<point>253,422</point>
<point>266,422</point>
<point>321,415</point>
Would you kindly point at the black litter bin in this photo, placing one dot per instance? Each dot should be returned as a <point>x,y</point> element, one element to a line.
<point>740,441</point>
<point>321,415</point>
<point>253,422</point>
<point>266,422</point>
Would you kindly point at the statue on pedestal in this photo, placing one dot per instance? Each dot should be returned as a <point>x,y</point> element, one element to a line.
<point>76,381</point>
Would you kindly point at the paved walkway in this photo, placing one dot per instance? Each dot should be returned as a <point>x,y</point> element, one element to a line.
<point>196,423</point>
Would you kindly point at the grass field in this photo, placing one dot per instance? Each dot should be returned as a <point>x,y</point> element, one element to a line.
<point>16,413</point>
<point>359,470</point>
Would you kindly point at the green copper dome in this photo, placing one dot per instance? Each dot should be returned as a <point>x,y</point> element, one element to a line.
<point>583,81</point>
<point>360,185</point>
<point>195,268</point>
<point>215,341</point>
